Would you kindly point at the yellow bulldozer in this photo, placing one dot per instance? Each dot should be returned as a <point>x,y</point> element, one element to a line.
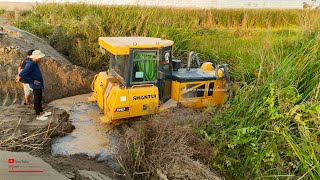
<point>143,78</point>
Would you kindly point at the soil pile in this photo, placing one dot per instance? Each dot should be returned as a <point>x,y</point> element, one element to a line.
<point>19,131</point>
<point>61,78</point>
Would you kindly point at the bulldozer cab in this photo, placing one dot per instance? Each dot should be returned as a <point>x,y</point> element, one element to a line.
<point>140,61</point>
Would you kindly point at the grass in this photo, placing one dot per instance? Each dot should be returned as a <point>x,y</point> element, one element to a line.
<point>217,35</point>
<point>272,126</point>
<point>2,11</point>
<point>269,128</point>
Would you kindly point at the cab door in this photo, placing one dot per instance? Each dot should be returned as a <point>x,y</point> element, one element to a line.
<point>165,74</point>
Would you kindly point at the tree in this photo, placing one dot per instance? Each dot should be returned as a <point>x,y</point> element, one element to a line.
<point>309,5</point>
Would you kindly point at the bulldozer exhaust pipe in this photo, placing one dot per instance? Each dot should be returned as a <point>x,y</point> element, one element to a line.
<point>192,56</point>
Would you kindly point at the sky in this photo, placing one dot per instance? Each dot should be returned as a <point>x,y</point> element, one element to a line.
<point>190,3</point>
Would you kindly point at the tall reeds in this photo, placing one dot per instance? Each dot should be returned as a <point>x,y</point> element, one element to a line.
<point>217,34</point>
<point>271,129</point>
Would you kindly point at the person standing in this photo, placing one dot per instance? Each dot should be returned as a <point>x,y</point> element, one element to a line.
<point>26,88</point>
<point>32,74</point>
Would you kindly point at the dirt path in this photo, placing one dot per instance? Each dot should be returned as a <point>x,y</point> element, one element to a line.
<point>22,165</point>
<point>73,165</point>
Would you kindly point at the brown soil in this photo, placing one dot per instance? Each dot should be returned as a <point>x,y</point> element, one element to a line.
<point>70,166</point>
<point>20,131</point>
<point>61,78</point>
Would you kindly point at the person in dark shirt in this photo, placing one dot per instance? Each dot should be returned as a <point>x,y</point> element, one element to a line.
<point>26,88</point>
<point>32,75</point>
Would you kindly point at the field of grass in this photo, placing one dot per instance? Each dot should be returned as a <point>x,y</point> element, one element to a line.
<point>218,35</point>
<point>270,126</point>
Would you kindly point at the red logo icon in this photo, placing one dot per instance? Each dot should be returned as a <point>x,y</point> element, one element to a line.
<point>11,161</point>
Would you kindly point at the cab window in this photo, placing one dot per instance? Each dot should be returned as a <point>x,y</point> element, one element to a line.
<point>145,65</point>
<point>197,92</point>
<point>119,65</point>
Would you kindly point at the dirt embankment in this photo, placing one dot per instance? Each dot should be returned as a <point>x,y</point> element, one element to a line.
<point>19,131</point>
<point>61,78</point>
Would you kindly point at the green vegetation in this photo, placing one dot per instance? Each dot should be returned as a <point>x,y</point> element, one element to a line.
<point>270,126</point>
<point>2,11</point>
<point>218,35</point>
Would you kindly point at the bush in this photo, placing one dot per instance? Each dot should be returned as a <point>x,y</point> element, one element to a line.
<point>169,149</point>
<point>271,129</point>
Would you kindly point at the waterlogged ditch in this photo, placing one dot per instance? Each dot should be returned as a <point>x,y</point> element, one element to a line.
<point>89,136</point>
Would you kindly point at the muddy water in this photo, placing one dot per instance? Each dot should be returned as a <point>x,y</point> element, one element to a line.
<point>89,137</point>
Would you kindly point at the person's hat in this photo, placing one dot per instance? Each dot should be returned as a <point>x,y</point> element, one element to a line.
<point>37,54</point>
